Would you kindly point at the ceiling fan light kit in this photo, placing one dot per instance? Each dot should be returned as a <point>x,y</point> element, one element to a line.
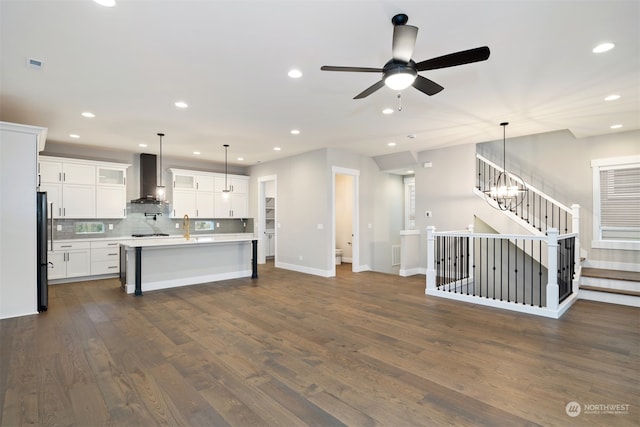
<point>402,71</point>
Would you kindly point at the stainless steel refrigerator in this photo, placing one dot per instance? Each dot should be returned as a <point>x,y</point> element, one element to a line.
<point>43,264</point>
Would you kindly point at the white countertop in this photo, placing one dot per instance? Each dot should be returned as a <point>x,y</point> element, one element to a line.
<point>193,240</point>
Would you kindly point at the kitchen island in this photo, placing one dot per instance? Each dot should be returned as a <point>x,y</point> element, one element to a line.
<point>152,264</point>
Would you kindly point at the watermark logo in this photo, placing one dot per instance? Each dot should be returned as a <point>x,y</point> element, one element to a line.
<point>573,409</point>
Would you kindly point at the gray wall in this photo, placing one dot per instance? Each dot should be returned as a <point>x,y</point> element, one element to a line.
<point>304,201</point>
<point>560,165</point>
<point>556,162</point>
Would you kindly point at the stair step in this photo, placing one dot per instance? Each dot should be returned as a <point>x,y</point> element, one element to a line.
<point>610,290</point>
<point>601,273</point>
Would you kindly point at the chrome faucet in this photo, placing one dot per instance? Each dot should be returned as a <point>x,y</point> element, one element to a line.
<point>185,225</point>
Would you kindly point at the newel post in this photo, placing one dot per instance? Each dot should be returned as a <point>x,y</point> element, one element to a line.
<point>431,259</point>
<point>552,269</point>
<point>575,228</point>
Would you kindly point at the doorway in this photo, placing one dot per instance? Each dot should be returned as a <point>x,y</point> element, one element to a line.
<point>345,213</point>
<point>267,218</point>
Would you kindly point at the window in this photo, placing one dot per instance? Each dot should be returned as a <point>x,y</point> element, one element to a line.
<point>410,203</point>
<point>616,203</point>
<point>204,225</point>
<point>89,227</point>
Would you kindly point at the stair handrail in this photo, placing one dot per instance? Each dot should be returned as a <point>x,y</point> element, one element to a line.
<point>529,186</point>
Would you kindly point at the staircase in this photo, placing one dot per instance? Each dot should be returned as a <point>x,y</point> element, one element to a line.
<point>612,286</point>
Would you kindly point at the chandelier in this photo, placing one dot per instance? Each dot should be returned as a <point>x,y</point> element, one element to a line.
<point>506,190</point>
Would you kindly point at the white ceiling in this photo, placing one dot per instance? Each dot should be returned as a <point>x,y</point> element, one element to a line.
<point>229,61</point>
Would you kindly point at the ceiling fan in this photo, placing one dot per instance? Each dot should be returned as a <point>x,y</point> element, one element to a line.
<point>401,71</point>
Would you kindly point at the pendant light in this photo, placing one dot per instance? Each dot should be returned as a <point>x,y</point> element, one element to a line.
<point>507,190</point>
<point>160,190</point>
<point>226,190</point>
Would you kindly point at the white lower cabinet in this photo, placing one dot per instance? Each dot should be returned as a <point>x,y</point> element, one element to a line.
<point>69,259</point>
<point>105,257</point>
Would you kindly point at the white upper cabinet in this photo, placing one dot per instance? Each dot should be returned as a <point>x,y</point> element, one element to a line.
<point>200,195</point>
<point>235,184</point>
<point>81,189</point>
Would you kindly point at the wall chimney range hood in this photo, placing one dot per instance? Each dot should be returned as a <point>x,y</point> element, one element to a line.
<point>148,179</point>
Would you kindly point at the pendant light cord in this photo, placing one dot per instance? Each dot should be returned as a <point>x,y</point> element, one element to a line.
<point>504,145</point>
<point>226,147</point>
<point>160,172</point>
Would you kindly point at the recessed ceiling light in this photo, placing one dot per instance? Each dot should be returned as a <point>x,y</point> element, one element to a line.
<point>74,135</point>
<point>295,73</point>
<point>411,136</point>
<point>387,111</point>
<point>197,153</point>
<point>295,132</point>
<point>88,114</point>
<point>142,145</point>
<point>410,171</point>
<point>106,3</point>
<point>618,126</point>
<point>603,47</point>
<point>181,104</point>
<point>391,144</point>
<point>240,159</point>
<point>276,148</point>
<point>612,97</point>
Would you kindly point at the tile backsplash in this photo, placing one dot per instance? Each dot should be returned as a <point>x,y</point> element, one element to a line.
<point>147,219</point>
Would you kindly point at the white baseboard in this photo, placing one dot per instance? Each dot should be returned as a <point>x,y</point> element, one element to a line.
<point>303,269</point>
<point>176,283</point>
<point>412,271</point>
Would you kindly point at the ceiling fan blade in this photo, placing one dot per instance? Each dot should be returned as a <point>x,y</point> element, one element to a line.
<point>404,40</point>
<point>453,59</point>
<point>368,91</point>
<point>427,86</point>
<point>353,69</point>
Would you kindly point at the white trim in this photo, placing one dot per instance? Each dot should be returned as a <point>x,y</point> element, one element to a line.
<point>612,265</point>
<point>355,241</point>
<point>307,270</point>
<point>615,244</point>
<point>262,180</point>
<point>615,161</point>
<point>412,271</point>
<point>490,302</point>
<point>596,166</point>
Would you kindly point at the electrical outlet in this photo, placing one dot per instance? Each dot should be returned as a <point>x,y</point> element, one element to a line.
<point>177,225</point>
<point>217,224</point>
<point>58,227</point>
<point>300,257</point>
<point>110,226</point>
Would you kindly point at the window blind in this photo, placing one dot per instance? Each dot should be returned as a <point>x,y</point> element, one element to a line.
<point>620,199</point>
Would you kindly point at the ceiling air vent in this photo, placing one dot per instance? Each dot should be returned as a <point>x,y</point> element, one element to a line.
<point>34,64</point>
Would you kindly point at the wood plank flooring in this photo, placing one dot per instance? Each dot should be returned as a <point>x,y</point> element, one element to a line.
<point>290,349</point>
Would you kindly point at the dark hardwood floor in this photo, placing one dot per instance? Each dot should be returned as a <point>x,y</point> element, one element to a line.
<point>290,349</point>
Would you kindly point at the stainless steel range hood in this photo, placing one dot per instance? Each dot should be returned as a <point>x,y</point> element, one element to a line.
<point>148,179</point>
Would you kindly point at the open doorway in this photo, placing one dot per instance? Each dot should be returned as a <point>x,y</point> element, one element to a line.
<point>345,218</point>
<point>267,218</point>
